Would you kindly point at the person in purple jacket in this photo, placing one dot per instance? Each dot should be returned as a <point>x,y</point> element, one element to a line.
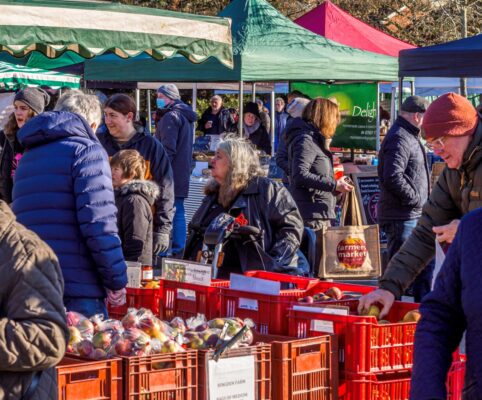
<point>63,192</point>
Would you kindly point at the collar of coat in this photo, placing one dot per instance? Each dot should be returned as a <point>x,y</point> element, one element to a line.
<point>473,154</point>
<point>148,189</point>
<point>402,122</point>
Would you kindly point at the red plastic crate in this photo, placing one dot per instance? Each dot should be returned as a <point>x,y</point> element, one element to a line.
<point>390,386</point>
<point>349,288</point>
<point>262,355</point>
<point>82,379</point>
<point>161,376</point>
<point>138,298</point>
<point>365,346</point>
<point>455,379</point>
<point>201,299</point>
<point>267,311</point>
<point>303,369</point>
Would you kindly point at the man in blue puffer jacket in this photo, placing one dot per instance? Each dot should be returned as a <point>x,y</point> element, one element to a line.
<point>63,192</point>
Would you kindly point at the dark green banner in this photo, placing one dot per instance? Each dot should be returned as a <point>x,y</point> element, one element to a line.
<point>358,108</point>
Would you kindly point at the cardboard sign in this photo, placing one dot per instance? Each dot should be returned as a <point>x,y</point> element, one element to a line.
<point>183,271</point>
<point>232,378</point>
<point>254,285</point>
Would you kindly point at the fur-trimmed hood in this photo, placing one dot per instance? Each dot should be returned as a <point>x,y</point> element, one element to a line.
<point>148,189</point>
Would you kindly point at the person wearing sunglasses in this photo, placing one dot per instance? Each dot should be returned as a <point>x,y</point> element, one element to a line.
<point>453,130</point>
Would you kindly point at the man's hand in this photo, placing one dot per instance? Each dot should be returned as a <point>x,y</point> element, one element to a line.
<point>160,243</point>
<point>116,297</point>
<point>446,233</point>
<point>382,296</point>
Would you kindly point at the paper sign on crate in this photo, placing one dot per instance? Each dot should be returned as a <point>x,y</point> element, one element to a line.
<point>232,378</point>
<point>254,285</point>
<point>134,271</point>
<point>188,272</point>
<point>330,309</point>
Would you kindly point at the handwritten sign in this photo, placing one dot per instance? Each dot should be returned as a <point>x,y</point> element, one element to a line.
<point>183,271</point>
<point>232,378</point>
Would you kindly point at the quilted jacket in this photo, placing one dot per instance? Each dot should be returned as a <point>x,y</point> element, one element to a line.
<point>33,326</point>
<point>63,192</point>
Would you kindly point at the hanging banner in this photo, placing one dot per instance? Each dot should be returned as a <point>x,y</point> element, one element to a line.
<point>358,108</point>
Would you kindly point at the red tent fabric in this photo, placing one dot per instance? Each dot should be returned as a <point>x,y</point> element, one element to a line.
<point>333,23</point>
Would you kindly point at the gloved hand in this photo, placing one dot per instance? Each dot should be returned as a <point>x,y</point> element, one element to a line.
<point>116,297</point>
<point>160,243</point>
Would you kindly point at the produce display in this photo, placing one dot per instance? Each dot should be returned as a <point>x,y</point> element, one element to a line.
<point>141,333</point>
<point>333,293</point>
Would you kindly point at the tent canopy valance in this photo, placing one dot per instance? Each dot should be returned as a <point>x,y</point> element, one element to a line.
<point>267,46</point>
<point>458,58</point>
<point>91,28</point>
<point>13,77</point>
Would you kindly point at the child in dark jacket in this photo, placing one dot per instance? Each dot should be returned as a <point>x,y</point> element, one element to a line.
<point>134,197</point>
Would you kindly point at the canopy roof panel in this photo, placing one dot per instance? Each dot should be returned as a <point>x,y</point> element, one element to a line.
<point>13,77</point>
<point>335,24</point>
<point>267,46</point>
<point>458,58</point>
<point>91,28</point>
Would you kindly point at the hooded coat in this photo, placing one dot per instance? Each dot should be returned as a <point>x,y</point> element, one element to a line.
<point>158,169</point>
<point>134,219</point>
<point>33,326</point>
<point>457,192</point>
<point>312,179</point>
<point>63,192</point>
<point>175,130</point>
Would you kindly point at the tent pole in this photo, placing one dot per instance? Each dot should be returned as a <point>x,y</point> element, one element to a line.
<point>241,95</point>
<point>272,120</point>
<point>412,87</point>
<point>400,93</point>
<point>378,119</point>
<point>393,105</point>
<point>194,106</point>
<point>253,92</point>
<point>149,111</point>
<point>138,103</point>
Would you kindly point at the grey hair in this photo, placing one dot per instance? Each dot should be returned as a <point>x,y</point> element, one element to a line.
<point>217,96</point>
<point>78,102</point>
<point>243,166</point>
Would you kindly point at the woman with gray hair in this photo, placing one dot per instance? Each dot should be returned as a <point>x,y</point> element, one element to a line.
<point>63,192</point>
<point>238,188</point>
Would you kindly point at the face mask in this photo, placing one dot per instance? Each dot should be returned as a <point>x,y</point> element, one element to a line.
<point>160,103</point>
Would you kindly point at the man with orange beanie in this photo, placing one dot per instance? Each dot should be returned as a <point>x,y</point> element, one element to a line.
<point>453,130</point>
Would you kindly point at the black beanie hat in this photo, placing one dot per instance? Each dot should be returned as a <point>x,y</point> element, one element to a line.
<point>35,98</point>
<point>252,108</point>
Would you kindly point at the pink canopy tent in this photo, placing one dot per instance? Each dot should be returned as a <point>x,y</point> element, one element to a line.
<point>333,23</point>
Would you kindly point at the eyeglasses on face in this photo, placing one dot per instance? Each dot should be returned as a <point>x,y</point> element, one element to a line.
<point>437,144</point>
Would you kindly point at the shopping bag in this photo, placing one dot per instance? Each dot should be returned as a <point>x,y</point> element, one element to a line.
<point>350,210</point>
<point>350,252</point>
<point>439,260</point>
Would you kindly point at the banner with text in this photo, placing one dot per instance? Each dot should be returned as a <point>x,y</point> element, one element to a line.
<point>358,108</point>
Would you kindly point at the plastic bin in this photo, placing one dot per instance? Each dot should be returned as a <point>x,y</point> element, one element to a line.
<point>161,376</point>
<point>138,298</point>
<point>262,355</point>
<point>303,369</point>
<point>187,300</point>
<point>348,288</point>
<point>82,379</point>
<point>391,386</point>
<point>365,346</point>
<point>455,379</point>
<point>267,311</point>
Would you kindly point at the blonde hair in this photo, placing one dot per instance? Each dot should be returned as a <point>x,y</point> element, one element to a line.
<point>243,166</point>
<point>324,114</point>
<point>132,164</point>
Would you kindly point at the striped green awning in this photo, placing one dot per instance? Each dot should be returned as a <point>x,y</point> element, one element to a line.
<point>13,77</point>
<point>90,28</point>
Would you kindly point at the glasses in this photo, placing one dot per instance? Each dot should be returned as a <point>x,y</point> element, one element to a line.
<point>437,144</point>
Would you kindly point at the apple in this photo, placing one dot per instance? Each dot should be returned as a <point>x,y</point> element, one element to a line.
<point>102,340</point>
<point>412,316</point>
<point>74,335</point>
<point>85,348</point>
<point>334,292</point>
<point>73,318</point>
<point>123,347</point>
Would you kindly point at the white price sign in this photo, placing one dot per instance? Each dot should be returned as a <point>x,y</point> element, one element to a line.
<point>232,378</point>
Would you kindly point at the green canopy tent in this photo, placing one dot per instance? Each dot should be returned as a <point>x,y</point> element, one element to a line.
<point>91,28</point>
<point>13,77</point>
<point>267,46</point>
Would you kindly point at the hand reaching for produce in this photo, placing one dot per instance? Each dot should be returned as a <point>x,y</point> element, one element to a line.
<point>381,296</point>
<point>116,297</point>
<point>446,233</point>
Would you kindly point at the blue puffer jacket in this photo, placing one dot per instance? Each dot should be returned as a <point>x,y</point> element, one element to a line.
<point>453,307</point>
<point>175,131</point>
<point>403,173</point>
<point>63,192</point>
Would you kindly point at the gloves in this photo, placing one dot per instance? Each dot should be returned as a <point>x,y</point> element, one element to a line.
<point>160,243</point>
<point>116,297</point>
